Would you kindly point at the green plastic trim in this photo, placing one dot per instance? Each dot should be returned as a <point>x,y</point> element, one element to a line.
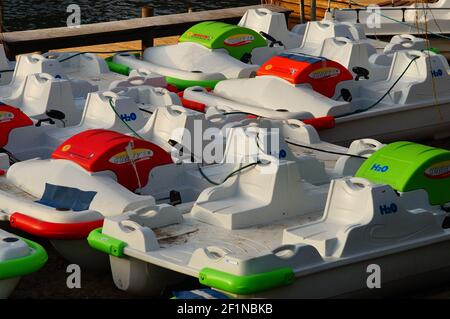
<point>22,266</point>
<point>245,285</point>
<point>105,243</point>
<point>117,67</point>
<point>407,166</point>
<point>434,50</point>
<point>237,40</point>
<point>184,84</point>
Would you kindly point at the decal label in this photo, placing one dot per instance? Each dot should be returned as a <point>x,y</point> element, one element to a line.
<point>198,36</point>
<point>437,73</point>
<point>128,117</point>
<point>379,168</point>
<point>6,116</point>
<point>139,154</point>
<point>238,40</point>
<point>324,73</point>
<point>66,147</point>
<point>388,209</point>
<point>438,171</point>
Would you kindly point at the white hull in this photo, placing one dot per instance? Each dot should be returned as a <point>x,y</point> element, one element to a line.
<point>414,123</point>
<point>431,266</point>
<point>398,275</point>
<point>78,252</point>
<point>7,286</point>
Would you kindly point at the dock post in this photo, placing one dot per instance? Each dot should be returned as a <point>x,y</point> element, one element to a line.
<point>2,29</point>
<point>147,40</point>
<point>302,11</point>
<point>189,6</point>
<point>313,10</point>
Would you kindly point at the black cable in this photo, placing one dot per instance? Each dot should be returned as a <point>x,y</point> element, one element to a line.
<point>80,53</point>
<point>385,94</point>
<point>12,158</point>
<point>146,111</point>
<point>325,151</point>
<point>63,123</point>
<point>229,175</point>
<point>97,52</point>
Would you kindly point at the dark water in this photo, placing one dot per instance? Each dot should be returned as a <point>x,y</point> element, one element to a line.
<point>38,14</point>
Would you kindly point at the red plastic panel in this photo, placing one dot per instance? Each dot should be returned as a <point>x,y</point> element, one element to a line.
<point>321,123</point>
<point>102,150</point>
<point>11,118</point>
<point>322,74</point>
<point>53,230</point>
<point>192,105</point>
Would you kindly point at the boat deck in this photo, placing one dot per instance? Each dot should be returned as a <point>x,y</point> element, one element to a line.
<point>178,242</point>
<point>7,187</point>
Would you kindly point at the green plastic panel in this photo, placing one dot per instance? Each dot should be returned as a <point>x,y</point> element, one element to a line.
<point>407,166</point>
<point>22,266</point>
<point>184,84</point>
<point>105,243</point>
<point>218,35</point>
<point>245,285</point>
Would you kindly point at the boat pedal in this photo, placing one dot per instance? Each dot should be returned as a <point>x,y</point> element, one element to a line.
<point>175,198</point>
<point>446,222</point>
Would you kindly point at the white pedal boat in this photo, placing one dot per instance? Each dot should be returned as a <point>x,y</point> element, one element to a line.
<point>18,257</point>
<point>252,236</point>
<point>90,176</point>
<point>125,108</point>
<point>348,45</point>
<point>53,92</point>
<point>411,103</point>
<point>39,88</point>
<point>418,18</point>
<point>213,51</point>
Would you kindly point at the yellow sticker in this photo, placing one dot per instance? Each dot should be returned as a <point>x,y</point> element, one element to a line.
<point>238,40</point>
<point>268,67</point>
<point>138,154</point>
<point>324,73</point>
<point>66,147</point>
<point>198,36</point>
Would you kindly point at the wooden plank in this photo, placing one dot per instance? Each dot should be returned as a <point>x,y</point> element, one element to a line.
<point>119,31</point>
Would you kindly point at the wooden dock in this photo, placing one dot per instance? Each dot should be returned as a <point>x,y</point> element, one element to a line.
<point>141,29</point>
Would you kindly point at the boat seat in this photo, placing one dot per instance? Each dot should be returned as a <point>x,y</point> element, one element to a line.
<point>148,96</point>
<point>99,113</point>
<point>43,92</point>
<point>316,32</point>
<point>258,195</point>
<point>272,23</point>
<point>419,82</point>
<point>362,213</point>
<point>405,42</point>
<point>339,218</point>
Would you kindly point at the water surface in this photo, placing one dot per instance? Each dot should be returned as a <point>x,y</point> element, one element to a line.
<point>37,14</point>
